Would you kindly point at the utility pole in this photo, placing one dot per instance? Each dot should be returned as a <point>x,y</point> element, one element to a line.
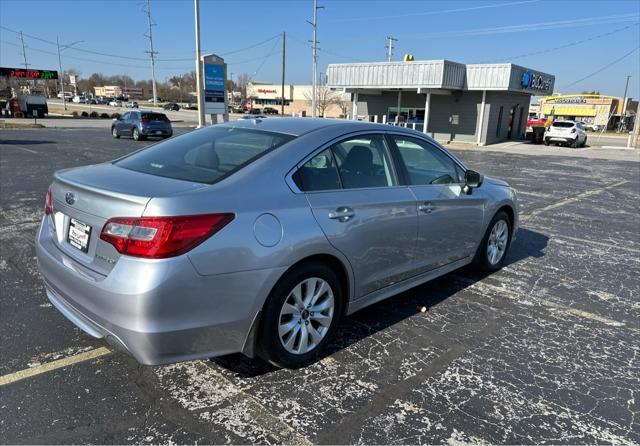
<point>64,103</point>
<point>284,37</point>
<point>315,58</point>
<point>389,47</point>
<point>152,53</point>
<point>624,105</point>
<point>64,47</point>
<point>201,122</point>
<point>24,52</point>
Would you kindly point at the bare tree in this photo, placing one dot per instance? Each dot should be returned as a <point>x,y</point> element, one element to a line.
<point>241,83</point>
<point>325,98</point>
<point>345,105</point>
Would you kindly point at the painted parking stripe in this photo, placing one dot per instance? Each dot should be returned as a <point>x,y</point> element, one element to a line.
<point>54,365</point>
<point>577,197</point>
<point>13,146</point>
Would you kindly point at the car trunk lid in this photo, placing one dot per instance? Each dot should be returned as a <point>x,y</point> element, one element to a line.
<point>84,199</point>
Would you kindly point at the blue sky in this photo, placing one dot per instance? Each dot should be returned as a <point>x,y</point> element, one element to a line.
<point>592,34</point>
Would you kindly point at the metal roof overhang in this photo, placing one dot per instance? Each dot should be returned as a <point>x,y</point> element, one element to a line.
<point>434,75</point>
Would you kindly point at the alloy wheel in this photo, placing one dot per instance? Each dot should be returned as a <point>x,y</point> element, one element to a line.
<point>497,243</point>
<point>306,315</point>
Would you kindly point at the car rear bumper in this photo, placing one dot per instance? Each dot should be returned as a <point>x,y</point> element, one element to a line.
<point>159,311</point>
<point>566,139</point>
<point>150,131</point>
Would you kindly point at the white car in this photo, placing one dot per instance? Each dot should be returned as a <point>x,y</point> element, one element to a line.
<point>115,103</point>
<point>566,132</point>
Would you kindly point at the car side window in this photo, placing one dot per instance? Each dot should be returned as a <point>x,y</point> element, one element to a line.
<point>126,116</point>
<point>426,164</point>
<point>319,173</point>
<point>364,161</point>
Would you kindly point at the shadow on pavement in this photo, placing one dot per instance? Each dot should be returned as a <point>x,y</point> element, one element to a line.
<point>382,315</point>
<point>25,142</point>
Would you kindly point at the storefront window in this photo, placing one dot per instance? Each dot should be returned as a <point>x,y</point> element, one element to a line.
<point>408,115</point>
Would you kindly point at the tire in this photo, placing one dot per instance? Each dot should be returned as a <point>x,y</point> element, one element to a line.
<point>136,135</point>
<point>575,143</point>
<point>547,142</point>
<point>114,133</point>
<point>328,292</point>
<point>584,143</point>
<point>483,257</point>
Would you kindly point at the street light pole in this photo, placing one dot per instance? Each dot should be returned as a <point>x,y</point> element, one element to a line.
<point>315,58</point>
<point>201,122</point>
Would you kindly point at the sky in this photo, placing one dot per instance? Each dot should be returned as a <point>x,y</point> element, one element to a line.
<point>575,39</point>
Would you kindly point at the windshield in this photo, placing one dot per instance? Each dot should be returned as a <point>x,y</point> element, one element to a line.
<point>204,156</point>
<point>563,124</point>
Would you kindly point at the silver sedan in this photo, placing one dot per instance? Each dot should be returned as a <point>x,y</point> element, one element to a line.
<point>258,236</point>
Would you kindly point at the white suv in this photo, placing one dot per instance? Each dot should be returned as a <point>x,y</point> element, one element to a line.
<point>566,132</point>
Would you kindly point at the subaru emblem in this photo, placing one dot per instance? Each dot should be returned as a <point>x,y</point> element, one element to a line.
<point>70,198</point>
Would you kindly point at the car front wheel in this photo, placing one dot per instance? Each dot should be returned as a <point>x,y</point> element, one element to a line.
<point>493,249</point>
<point>300,316</point>
<point>114,133</point>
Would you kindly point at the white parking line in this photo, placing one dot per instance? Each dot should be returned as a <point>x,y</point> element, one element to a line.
<point>577,197</point>
<point>49,366</point>
<point>22,148</point>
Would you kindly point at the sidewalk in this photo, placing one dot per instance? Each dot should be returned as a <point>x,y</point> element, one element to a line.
<point>526,148</point>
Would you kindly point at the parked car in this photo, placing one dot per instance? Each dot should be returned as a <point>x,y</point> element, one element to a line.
<point>569,133</point>
<point>131,104</point>
<point>252,117</point>
<point>172,106</point>
<point>592,127</point>
<point>142,124</point>
<point>115,103</point>
<point>258,237</point>
<point>269,111</point>
<point>255,111</point>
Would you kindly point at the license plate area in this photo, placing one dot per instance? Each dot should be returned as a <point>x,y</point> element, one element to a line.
<point>78,235</point>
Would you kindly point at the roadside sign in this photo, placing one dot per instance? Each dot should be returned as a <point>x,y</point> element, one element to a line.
<point>22,73</point>
<point>215,77</point>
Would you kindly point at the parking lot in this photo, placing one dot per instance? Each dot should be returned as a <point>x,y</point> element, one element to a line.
<point>546,350</point>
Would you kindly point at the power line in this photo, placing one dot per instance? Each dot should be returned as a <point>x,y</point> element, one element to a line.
<point>601,69</point>
<point>117,56</point>
<point>560,47</point>
<point>443,11</point>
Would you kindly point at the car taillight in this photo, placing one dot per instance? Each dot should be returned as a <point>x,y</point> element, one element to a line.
<point>144,119</point>
<point>162,237</point>
<point>48,202</point>
<point>573,130</point>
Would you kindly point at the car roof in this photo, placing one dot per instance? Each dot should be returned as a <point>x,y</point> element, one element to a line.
<point>300,126</point>
<point>569,122</point>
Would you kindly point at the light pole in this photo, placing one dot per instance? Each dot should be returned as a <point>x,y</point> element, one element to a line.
<point>201,121</point>
<point>64,47</point>
<point>315,58</point>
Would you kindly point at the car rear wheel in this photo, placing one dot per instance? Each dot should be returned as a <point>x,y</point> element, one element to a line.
<point>575,143</point>
<point>136,135</point>
<point>300,316</point>
<point>114,132</point>
<point>547,142</point>
<point>493,249</point>
<point>584,143</point>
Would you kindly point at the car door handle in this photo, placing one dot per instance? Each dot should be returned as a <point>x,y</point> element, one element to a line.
<point>427,207</point>
<point>342,214</point>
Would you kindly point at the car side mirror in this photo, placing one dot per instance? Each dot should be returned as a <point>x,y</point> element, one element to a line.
<point>473,179</point>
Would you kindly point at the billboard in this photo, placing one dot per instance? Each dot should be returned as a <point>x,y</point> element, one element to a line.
<point>215,77</point>
<point>22,73</point>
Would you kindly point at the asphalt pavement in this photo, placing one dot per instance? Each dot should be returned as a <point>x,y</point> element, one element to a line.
<point>546,350</point>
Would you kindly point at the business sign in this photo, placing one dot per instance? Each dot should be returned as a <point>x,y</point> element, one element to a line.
<point>263,90</point>
<point>533,81</point>
<point>215,77</point>
<point>22,73</point>
<point>578,100</point>
<point>72,79</point>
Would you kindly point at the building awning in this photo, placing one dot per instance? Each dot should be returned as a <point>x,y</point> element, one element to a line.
<point>553,109</point>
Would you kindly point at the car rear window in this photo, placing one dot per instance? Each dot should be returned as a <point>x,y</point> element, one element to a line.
<point>204,156</point>
<point>563,124</point>
<point>155,116</point>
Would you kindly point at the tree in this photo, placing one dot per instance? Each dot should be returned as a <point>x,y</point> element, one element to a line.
<point>590,92</point>
<point>325,98</point>
<point>242,82</point>
<point>345,105</point>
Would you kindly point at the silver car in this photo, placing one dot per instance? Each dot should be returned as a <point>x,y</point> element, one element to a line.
<point>257,236</point>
